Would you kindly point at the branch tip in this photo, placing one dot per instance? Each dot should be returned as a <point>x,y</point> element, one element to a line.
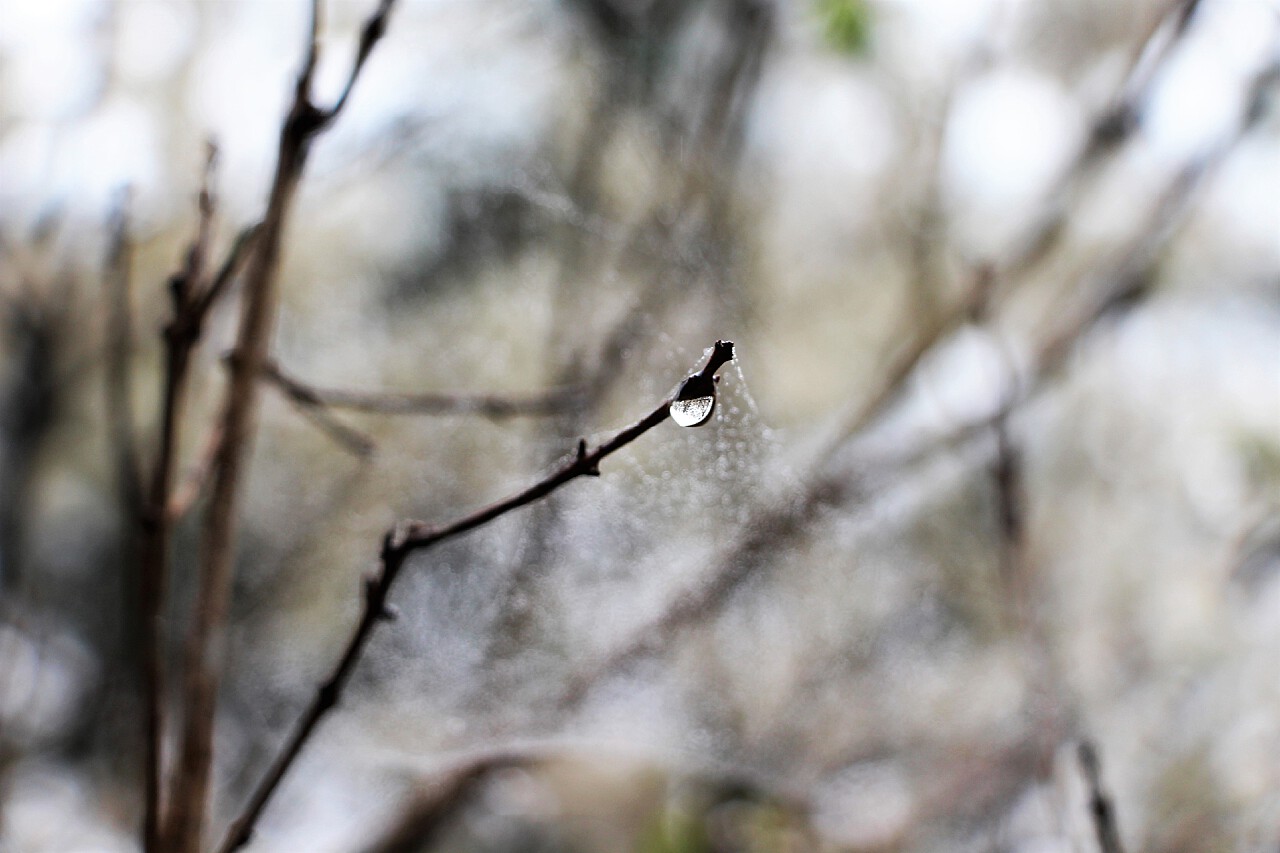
<point>721,354</point>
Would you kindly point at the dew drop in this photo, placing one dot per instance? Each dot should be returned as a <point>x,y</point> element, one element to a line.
<point>694,411</point>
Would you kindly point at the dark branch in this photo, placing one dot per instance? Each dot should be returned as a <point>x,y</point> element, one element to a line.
<point>398,544</point>
<point>1100,807</point>
<point>180,338</point>
<point>231,266</point>
<point>119,376</point>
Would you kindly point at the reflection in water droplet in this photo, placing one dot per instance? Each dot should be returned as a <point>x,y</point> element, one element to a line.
<point>693,412</point>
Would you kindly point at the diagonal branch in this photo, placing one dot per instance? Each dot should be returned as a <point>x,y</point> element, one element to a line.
<point>492,406</point>
<point>1100,806</point>
<point>318,406</point>
<point>397,545</point>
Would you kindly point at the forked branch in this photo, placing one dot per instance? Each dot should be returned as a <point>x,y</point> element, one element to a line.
<point>203,658</point>
<point>397,545</point>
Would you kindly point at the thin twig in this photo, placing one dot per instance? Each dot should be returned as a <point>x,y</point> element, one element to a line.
<point>1100,806</point>
<point>493,406</point>
<point>398,544</point>
<point>203,657</point>
<point>230,268</point>
<point>119,352</point>
<point>180,338</point>
<point>358,444</point>
<point>119,388</point>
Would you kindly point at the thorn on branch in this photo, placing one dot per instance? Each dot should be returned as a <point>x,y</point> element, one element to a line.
<point>591,469</point>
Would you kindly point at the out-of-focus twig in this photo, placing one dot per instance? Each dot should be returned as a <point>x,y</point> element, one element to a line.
<point>492,406</point>
<point>1101,808</point>
<point>187,289</point>
<point>318,405</point>
<point>119,351</point>
<point>203,655</point>
<point>398,544</point>
<point>1110,128</point>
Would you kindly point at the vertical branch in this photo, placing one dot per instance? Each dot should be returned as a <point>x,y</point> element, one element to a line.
<point>180,336</point>
<point>119,351</point>
<point>120,423</point>
<point>203,658</point>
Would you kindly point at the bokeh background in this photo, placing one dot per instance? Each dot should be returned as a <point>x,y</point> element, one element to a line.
<point>996,471</point>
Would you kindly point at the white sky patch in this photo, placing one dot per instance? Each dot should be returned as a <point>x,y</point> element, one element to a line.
<point>1195,105</point>
<point>50,76</point>
<point>25,155</point>
<point>968,379</point>
<point>238,92</point>
<point>1010,135</point>
<point>1246,197</point>
<point>117,145</point>
<point>865,806</point>
<point>824,128</point>
<point>152,39</point>
<point>1198,100</point>
<point>949,28</point>
<point>29,20</point>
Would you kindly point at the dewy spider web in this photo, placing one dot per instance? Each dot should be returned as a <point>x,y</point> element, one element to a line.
<point>625,544</point>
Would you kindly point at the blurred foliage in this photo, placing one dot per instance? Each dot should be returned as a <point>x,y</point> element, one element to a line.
<point>675,830</point>
<point>1260,455</point>
<point>846,25</point>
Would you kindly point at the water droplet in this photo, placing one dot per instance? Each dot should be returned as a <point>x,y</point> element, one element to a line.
<point>694,411</point>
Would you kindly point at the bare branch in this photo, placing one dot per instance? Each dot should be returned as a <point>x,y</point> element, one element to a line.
<point>374,29</point>
<point>203,655</point>
<point>493,406</point>
<point>119,391</point>
<point>398,544</point>
<point>181,336</point>
<point>231,266</point>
